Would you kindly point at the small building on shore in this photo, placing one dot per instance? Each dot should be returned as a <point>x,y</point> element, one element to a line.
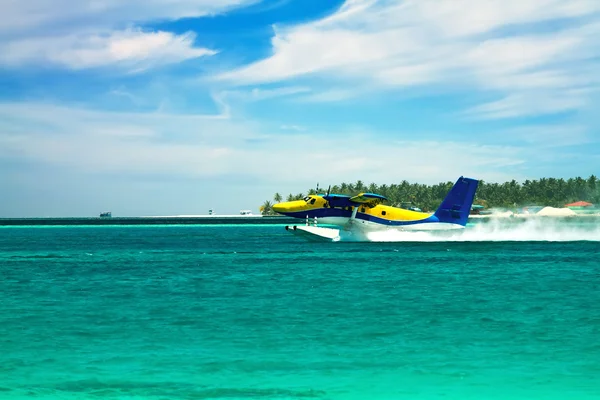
<point>579,205</point>
<point>583,208</point>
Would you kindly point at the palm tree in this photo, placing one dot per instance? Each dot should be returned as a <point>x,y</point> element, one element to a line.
<point>592,181</point>
<point>277,198</point>
<point>359,186</point>
<point>266,208</point>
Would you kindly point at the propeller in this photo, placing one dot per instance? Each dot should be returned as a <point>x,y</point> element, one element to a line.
<point>328,190</point>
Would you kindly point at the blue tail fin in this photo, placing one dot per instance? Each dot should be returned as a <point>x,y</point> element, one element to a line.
<point>456,206</point>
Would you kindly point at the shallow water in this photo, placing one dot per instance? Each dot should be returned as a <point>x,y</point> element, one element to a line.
<point>210,312</point>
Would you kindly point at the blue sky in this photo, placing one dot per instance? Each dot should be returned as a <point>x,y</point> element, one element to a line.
<point>163,107</point>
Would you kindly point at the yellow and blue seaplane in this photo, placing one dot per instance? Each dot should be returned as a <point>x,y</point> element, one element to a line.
<point>364,213</point>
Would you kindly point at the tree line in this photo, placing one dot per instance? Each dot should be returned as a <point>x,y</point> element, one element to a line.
<point>554,192</point>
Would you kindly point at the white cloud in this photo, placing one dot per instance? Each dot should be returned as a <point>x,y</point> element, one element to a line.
<point>529,103</point>
<point>457,44</point>
<point>19,17</point>
<point>307,49</point>
<point>468,17</point>
<point>133,49</point>
<point>87,34</point>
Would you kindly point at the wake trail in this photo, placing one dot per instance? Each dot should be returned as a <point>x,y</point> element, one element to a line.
<point>501,231</point>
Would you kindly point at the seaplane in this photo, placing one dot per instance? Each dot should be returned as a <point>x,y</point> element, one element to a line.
<point>358,216</point>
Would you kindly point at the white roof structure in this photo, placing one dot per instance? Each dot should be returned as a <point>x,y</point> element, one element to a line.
<point>556,212</point>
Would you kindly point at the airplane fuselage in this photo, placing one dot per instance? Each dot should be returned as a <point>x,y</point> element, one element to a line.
<point>366,212</point>
<point>362,217</point>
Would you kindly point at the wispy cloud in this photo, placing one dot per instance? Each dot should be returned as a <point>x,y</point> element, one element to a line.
<point>530,103</point>
<point>20,17</point>
<point>258,94</point>
<point>460,45</point>
<point>83,34</point>
<point>132,49</point>
<point>197,145</point>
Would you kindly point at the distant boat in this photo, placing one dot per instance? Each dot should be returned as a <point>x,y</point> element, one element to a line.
<point>106,214</point>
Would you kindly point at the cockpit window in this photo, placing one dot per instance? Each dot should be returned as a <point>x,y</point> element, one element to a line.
<point>306,199</point>
<point>312,201</point>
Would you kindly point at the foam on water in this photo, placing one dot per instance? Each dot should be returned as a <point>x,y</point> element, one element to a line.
<point>501,230</point>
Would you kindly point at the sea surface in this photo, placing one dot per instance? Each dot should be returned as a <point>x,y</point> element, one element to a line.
<point>506,311</point>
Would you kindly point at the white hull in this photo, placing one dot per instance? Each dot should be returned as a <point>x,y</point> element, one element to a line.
<point>314,232</point>
<point>359,230</point>
<point>368,226</point>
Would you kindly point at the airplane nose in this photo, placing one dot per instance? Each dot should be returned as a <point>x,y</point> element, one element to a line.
<point>279,208</point>
<point>285,207</point>
<point>289,207</point>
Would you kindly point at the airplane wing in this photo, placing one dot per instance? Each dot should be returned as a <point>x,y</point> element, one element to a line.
<point>338,200</point>
<point>370,199</point>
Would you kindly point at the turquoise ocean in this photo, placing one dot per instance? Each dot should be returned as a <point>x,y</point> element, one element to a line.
<point>500,311</point>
